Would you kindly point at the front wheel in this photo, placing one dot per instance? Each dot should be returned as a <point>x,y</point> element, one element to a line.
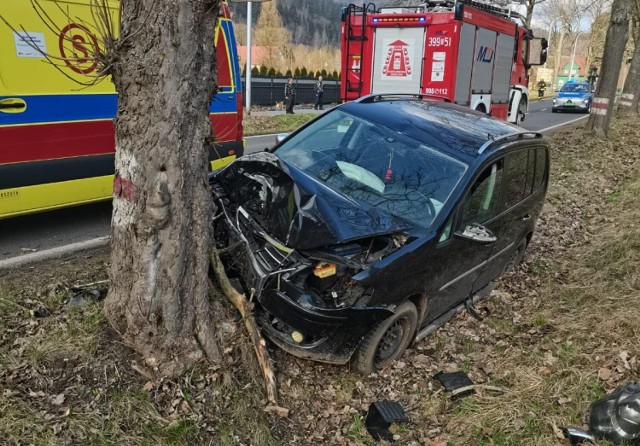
<point>521,113</point>
<point>387,341</point>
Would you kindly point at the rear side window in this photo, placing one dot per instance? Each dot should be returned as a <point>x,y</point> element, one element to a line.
<point>540,169</point>
<point>515,178</point>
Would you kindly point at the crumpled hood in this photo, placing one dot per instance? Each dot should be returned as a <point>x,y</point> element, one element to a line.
<point>295,208</point>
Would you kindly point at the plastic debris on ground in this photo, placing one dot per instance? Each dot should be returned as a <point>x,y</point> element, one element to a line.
<point>458,383</point>
<point>381,416</point>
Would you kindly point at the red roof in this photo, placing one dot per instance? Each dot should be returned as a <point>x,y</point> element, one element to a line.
<point>258,54</point>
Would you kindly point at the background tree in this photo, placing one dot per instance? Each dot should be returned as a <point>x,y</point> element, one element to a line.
<point>288,74</point>
<point>296,72</point>
<point>163,67</point>
<point>271,72</point>
<point>271,34</point>
<point>617,36</point>
<point>530,5</point>
<point>303,72</point>
<point>631,91</point>
<point>263,70</point>
<point>323,73</point>
<point>255,71</point>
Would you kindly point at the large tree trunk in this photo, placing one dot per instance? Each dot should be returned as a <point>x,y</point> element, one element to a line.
<point>617,35</point>
<point>161,233</point>
<point>631,91</point>
<point>629,99</point>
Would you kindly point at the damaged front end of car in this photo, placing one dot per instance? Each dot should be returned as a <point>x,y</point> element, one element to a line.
<point>297,247</point>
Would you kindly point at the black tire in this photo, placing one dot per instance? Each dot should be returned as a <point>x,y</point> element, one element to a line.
<point>553,110</point>
<point>522,106</point>
<point>387,341</point>
<point>516,256</point>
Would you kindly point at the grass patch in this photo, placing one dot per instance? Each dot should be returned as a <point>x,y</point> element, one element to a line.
<point>264,125</point>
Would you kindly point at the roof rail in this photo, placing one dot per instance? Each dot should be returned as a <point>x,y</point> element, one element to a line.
<point>390,96</point>
<point>508,138</point>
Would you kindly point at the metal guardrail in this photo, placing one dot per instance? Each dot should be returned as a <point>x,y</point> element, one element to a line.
<point>270,90</point>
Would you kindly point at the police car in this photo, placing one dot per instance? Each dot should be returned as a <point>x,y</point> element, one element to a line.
<point>573,96</point>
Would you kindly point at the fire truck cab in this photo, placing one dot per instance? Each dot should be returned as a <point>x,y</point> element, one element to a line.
<point>463,51</point>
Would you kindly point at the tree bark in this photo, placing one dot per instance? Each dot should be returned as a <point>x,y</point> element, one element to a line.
<point>629,99</point>
<point>617,36</point>
<point>164,72</point>
<point>631,91</point>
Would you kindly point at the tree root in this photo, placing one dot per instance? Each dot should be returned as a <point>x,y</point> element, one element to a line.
<point>244,307</point>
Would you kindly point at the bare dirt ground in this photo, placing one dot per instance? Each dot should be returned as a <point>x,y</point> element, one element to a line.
<point>560,332</point>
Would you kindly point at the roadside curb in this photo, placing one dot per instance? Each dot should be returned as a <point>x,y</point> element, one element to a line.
<point>53,253</point>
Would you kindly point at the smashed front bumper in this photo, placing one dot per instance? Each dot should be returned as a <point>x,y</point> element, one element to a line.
<point>289,316</point>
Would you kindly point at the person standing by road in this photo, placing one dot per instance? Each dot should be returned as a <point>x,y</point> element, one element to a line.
<point>290,96</point>
<point>542,86</point>
<point>319,92</point>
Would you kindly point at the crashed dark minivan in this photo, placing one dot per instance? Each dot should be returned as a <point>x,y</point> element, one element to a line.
<point>376,222</point>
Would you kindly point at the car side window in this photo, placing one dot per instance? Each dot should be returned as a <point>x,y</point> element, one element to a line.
<point>531,163</point>
<point>541,166</point>
<point>482,203</point>
<point>515,178</point>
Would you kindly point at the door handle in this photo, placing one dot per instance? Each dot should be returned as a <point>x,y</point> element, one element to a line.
<point>13,105</point>
<point>526,217</point>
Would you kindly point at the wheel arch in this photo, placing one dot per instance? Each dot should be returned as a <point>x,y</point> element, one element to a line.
<point>421,302</point>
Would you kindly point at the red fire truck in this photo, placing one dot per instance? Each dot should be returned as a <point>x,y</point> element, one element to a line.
<point>466,52</point>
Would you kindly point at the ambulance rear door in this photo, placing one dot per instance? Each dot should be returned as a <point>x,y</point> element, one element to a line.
<point>398,57</point>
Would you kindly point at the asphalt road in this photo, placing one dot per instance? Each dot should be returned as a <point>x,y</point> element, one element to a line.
<point>47,230</point>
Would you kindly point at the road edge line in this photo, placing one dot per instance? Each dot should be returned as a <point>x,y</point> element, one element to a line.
<point>562,124</point>
<point>53,253</point>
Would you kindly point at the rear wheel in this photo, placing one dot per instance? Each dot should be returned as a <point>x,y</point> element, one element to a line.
<point>554,110</point>
<point>387,341</point>
<point>516,256</point>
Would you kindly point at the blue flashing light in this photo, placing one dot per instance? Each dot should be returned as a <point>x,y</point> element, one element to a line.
<point>422,19</point>
<point>375,20</point>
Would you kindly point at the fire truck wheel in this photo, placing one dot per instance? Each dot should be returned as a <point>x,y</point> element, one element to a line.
<point>522,108</point>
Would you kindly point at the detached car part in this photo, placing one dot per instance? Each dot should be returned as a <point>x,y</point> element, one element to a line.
<point>577,436</point>
<point>381,415</point>
<point>616,417</point>
<point>458,383</point>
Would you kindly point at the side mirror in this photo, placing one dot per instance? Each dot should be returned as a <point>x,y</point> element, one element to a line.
<point>477,233</point>
<point>537,51</point>
<point>281,137</point>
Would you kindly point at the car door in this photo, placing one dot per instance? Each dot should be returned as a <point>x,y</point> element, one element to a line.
<point>460,260</point>
<point>516,212</point>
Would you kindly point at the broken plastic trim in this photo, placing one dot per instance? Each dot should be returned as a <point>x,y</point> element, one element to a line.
<point>381,415</point>
<point>458,383</point>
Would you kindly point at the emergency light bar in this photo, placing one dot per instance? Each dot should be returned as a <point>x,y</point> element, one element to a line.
<point>399,19</point>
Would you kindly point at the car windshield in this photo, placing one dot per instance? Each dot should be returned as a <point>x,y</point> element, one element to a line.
<point>375,165</point>
<point>575,88</point>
